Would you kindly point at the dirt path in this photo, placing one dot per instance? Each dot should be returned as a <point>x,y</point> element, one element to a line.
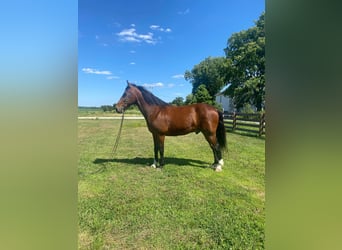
<point>110,118</point>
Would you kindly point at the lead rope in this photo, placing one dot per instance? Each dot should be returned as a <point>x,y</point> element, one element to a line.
<point>118,136</point>
<point>105,165</point>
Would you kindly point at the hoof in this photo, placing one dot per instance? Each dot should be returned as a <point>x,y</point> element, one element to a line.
<point>217,167</point>
<point>155,164</point>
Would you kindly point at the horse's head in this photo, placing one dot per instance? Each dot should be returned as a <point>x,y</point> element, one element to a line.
<point>127,99</point>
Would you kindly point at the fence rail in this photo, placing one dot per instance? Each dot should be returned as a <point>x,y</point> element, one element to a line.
<point>246,122</point>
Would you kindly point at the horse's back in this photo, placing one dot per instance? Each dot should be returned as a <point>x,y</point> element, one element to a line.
<point>204,109</point>
<point>195,111</point>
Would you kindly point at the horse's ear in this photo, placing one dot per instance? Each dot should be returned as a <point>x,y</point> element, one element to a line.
<point>128,84</point>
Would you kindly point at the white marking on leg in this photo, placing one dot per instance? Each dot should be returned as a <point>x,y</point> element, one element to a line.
<point>154,165</point>
<point>218,166</point>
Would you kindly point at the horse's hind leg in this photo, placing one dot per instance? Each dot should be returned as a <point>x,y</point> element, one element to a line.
<point>219,164</point>
<point>161,149</point>
<point>156,149</point>
<point>218,161</point>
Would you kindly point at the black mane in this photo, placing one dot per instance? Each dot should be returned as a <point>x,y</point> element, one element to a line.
<point>150,98</point>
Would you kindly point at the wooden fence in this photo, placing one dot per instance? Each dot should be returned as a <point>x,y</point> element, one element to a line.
<point>246,122</point>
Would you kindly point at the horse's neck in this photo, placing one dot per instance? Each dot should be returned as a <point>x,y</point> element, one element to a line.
<point>145,108</point>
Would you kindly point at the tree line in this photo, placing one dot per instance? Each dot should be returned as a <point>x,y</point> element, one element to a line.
<point>111,108</point>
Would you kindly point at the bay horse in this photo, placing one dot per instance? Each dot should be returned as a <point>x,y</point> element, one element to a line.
<point>164,119</point>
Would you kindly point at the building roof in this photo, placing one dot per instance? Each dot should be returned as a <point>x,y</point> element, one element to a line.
<point>222,91</point>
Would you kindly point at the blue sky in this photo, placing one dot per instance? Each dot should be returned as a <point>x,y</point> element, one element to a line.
<point>152,43</point>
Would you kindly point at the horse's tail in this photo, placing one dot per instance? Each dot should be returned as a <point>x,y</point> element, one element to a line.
<point>221,132</point>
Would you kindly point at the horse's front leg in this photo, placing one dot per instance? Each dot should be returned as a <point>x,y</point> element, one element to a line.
<point>158,141</point>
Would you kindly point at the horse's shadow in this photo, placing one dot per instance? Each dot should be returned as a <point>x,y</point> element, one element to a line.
<point>140,161</point>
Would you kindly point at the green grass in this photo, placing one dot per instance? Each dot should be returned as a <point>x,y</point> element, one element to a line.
<point>124,204</point>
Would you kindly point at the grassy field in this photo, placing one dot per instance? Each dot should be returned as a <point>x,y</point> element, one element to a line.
<point>124,204</point>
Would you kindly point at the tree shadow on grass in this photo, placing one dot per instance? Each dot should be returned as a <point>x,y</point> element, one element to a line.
<point>140,161</point>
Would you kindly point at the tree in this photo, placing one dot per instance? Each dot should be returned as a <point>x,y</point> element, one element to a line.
<point>202,95</point>
<point>246,74</point>
<point>106,108</point>
<point>178,101</point>
<point>211,73</point>
<point>190,99</point>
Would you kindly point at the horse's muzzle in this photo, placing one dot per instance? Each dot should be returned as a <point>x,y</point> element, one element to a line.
<point>119,109</point>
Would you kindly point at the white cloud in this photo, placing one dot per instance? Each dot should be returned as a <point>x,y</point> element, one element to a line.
<point>184,12</point>
<point>127,32</point>
<point>171,85</point>
<point>152,85</point>
<point>158,28</point>
<point>132,51</point>
<point>147,37</point>
<point>130,39</point>
<point>178,76</point>
<point>95,71</point>
<point>154,27</point>
<point>130,35</point>
<point>132,63</point>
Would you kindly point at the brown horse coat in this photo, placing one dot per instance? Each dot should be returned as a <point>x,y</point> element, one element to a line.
<point>172,120</point>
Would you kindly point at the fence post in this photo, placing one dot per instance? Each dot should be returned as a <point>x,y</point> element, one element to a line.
<point>261,124</point>
<point>234,121</point>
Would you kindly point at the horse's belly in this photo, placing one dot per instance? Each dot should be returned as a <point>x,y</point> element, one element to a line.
<point>180,129</point>
<point>179,132</point>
